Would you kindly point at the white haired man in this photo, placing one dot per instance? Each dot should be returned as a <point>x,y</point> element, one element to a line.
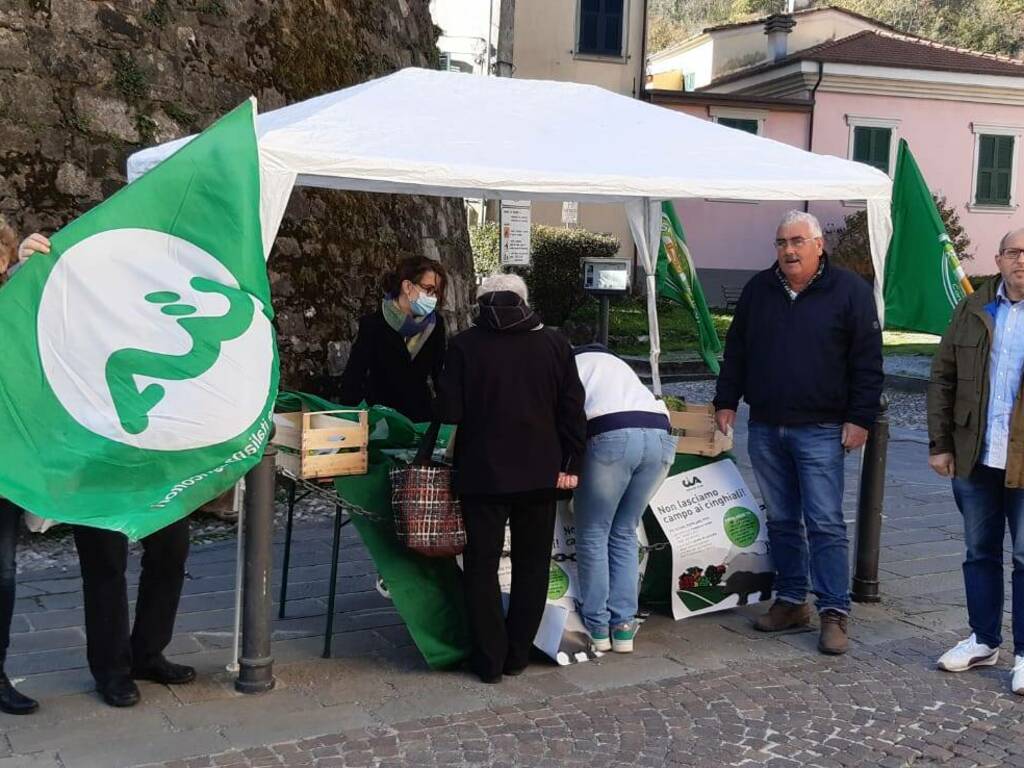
<point>512,388</point>
<point>805,352</point>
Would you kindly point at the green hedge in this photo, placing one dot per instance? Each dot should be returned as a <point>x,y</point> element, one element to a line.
<point>553,278</point>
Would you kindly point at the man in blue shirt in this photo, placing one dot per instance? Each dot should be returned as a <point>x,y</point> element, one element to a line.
<point>976,437</point>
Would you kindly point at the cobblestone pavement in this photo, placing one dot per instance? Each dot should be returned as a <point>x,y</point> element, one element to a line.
<point>886,706</point>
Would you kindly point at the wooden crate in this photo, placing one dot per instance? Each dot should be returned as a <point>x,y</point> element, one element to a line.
<point>322,444</point>
<point>697,432</point>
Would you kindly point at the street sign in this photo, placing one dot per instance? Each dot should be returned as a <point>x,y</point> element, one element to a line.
<point>570,213</point>
<point>515,233</point>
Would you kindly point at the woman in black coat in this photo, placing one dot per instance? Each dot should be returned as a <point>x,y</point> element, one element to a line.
<point>402,344</point>
<point>512,388</point>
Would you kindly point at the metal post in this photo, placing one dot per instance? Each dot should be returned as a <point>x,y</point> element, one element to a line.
<point>256,665</point>
<point>869,509</point>
<point>602,320</point>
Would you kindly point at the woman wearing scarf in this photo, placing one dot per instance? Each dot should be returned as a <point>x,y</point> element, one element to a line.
<point>402,344</point>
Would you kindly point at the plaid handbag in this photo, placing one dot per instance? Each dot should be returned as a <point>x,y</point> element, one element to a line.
<point>428,515</point>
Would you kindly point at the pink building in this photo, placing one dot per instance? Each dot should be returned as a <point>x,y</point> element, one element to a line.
<point>854,91</point>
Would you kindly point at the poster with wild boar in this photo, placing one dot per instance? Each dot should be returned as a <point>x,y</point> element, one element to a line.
<point>719,541</point>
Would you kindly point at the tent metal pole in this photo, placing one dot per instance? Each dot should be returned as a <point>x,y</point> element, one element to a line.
<point>651,229</point>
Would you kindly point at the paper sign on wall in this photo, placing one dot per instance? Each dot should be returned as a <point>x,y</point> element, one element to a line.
<point>515,233</point>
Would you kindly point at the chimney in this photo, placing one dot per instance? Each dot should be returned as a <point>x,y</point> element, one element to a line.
<point>777,27</point>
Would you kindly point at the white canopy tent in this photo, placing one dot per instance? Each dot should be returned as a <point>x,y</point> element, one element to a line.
<point>441,133</point>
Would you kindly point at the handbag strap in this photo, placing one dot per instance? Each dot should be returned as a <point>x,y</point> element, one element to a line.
<point>424,456</point>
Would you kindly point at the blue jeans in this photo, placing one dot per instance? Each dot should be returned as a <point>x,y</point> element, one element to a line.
<point>9,517</point>
<point>988,506</point>
<point>800,472</point>
<point>622,470</point>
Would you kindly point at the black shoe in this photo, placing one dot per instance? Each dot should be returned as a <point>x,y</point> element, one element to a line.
<point>12,702</point>
<point>490,679</point>
<point>514,672</point>
<point>160,670</point>
<point>120,692</point>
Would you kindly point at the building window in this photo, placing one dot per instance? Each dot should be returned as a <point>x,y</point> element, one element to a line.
<point>748,120</point>
<point>741,124</point>
<point>995,170</point>
<point>873,141</point>
<point>871,146</point>
<point>995,166</point>
<point>601,24</point>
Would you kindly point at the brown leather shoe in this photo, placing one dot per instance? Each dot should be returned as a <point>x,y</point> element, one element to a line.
<point>834,639</point>
<point>783,615</point>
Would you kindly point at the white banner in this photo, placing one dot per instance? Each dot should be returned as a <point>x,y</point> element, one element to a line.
<point>515,233</point>
<point>719,540</point>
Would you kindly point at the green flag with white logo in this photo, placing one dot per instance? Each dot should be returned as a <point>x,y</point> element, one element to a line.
<point>924,280</point>
<point>677,281</point>
<point>140,364</point>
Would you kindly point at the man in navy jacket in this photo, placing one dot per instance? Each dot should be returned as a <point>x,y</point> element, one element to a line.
<point>805,352</point>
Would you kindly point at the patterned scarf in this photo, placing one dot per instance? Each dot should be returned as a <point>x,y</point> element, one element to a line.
<point>414,330</point>
<point>785,283</point>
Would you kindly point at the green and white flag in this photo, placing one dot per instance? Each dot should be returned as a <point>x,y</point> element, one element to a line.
<point>677,281</point>
<point>924,280</point>
<point>140,364</point>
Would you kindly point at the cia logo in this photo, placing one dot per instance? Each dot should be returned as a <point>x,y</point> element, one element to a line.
<point>146,339</point>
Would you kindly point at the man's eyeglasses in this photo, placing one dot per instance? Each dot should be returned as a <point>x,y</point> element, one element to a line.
<point>1011,254</point>
<point>796,242</point>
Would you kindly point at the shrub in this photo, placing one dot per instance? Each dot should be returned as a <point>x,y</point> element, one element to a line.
<point>483,240</point>
<point>849,245</point>
<point>553,278</point>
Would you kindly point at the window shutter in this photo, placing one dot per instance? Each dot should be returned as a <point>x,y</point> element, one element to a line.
<point>601,27</point>
<point>871,146</point>
<point>995,168</point>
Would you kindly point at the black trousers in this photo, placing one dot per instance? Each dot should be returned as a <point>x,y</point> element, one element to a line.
<point>501,643</point>
<point>103,555</point>
<point>9,517</point>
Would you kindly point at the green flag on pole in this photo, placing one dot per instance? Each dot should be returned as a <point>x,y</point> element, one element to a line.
<point>140,362</point>
<point>923,277</point>
<point>677,281</point>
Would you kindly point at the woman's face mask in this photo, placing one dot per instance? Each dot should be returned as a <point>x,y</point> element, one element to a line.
<point>424,303</point>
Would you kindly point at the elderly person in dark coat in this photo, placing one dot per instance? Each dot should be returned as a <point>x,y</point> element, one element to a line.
<point>511,386</point>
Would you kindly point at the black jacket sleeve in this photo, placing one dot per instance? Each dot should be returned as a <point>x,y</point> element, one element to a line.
<point>865,358</point>
<point>733,373</point>
<point>357,370</point>
<point>448,408</point>
<point>571,417</point>
<point>439,351</point>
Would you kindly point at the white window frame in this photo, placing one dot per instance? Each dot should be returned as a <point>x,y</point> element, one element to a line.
<point>864,121</point>
<point>576,54</point>
<point>992,129</point>
<point>860,121</point>
<point>738,113</point>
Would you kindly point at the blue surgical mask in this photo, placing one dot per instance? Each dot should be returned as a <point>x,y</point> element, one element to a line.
<point>423,304</point>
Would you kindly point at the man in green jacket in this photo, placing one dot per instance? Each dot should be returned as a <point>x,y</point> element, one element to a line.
<point>976,437</point>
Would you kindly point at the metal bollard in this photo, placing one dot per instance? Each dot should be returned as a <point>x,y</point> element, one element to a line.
<point>256,665</point>
<point>869,509</point>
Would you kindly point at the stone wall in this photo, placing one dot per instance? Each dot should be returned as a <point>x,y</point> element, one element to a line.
<point>84,84</point>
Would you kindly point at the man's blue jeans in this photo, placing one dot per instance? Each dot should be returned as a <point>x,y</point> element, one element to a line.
<point>800,472</point>
<point>988,506</point>
<point>622,470</point>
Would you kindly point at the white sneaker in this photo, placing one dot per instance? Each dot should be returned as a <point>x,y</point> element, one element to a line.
<point>1017,683</point>
<point>968,654</point>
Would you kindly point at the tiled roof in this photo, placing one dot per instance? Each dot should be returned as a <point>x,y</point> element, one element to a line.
<point>885,49</point>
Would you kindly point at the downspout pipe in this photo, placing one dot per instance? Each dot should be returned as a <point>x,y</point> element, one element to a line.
<point>810,126</point>
<point>641,92</point>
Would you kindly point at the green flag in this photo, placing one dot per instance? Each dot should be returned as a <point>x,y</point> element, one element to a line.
<point>923,277</point>
<point>140,365</point>
<point>677,280</point>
